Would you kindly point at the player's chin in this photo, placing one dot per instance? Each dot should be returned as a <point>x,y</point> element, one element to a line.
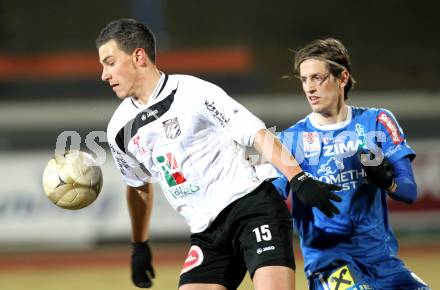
<point>316,108</point>
<point>121,95</point>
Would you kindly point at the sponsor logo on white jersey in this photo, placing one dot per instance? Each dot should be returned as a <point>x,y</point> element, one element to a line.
<point>172,128</point>
<point>184,190</point>
<point>216,113</point>
<point>151,113</point>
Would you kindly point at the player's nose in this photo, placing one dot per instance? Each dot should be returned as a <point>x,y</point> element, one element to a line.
<point>105,76</point>
<point>310,89</point>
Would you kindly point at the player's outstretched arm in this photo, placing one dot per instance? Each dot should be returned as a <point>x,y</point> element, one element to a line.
<point>397,178</point>
<point>309,191</point>
<point>140,201</point>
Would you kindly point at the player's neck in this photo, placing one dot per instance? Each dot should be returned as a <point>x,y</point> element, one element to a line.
<point>328,118</point>
<point>149,83</point>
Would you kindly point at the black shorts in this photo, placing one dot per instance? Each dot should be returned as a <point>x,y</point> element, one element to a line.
<point>252,232</point>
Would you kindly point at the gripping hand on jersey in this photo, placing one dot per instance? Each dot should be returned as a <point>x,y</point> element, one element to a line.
<point>141,266</point>
<point>315,193</point>
<point>382,175</point>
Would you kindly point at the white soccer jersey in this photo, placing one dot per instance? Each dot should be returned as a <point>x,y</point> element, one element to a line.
<point>190,137</point>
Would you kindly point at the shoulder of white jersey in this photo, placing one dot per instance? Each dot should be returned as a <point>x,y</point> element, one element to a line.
<point>188,82</point>
<point>189,79</point>
<point>122,115</point>
<point>194,89</point>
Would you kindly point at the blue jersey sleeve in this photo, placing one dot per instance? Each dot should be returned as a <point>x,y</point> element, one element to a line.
<point>406,190</point>
<point>281,183</point>
<point>395,146</point>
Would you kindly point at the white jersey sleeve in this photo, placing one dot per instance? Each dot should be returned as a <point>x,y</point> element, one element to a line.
<point>223,111</point>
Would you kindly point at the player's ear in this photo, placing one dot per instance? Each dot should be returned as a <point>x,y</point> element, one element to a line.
<point>140,57</point>
<point>344,77</point>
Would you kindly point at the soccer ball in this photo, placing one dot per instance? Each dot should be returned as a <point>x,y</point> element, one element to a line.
<point>72,180</point>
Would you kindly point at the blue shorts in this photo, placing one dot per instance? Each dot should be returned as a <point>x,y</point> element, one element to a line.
<point>388,274</point>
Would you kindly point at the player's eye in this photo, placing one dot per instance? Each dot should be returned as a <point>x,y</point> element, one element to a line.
<point>317,78</point>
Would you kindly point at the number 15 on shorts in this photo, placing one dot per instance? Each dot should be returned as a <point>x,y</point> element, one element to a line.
<point>262,233</point>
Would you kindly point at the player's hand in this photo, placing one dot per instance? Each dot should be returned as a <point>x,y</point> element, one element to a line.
<point>315,193</point>
<point>382,175</point>
<point>141,266</point>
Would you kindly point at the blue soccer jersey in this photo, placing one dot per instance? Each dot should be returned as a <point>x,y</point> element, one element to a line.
<point>331,154</point>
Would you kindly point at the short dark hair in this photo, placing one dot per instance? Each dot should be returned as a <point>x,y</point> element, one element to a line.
<point>331,51</point>
<point>129,34</point>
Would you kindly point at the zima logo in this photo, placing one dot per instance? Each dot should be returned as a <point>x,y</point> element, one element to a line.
<point>341,148</point>
<point>172,128</point>
<point>194,259</point>
<point>391,127</point>
<point>171,171</point>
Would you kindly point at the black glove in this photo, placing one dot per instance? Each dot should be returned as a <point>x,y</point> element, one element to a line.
<point>382,175</point>
<point>141,267</point>
<point>315,193</point>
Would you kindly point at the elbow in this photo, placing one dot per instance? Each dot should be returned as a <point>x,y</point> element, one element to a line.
<point>412,193</point>
<point>411,199</point>
<point>408,195</point>
<point>406,192</point>
<point>407,198</point>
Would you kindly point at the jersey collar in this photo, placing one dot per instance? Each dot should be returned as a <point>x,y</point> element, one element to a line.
<point>335,126</point>
<point>155,94</point>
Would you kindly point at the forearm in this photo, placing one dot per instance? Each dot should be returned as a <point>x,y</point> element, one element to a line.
<point>272,150</point>
<point>140,204</point>
<point>406,187</point>
<point>406,190</point>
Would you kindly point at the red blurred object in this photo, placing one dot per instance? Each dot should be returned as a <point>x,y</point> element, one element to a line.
<point>64,65</point>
